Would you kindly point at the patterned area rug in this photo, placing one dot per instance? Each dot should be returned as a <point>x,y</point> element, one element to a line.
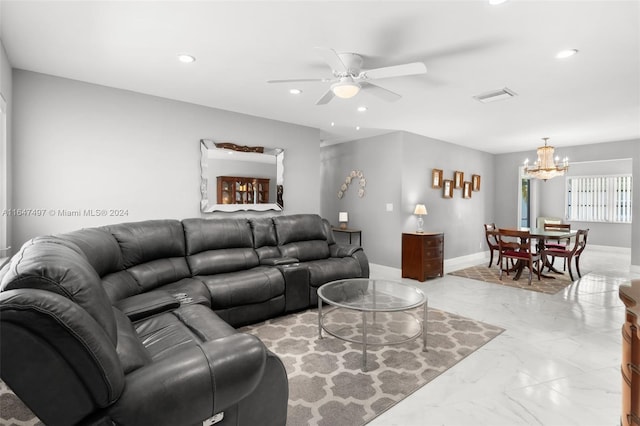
<point>13,411</point>
<point>492,275</point>
<point>326,383</point>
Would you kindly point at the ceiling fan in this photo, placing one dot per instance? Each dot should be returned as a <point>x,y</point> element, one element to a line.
<point>349,78</point>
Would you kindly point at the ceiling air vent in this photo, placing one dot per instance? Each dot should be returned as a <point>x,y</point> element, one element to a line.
<point>495,95</point>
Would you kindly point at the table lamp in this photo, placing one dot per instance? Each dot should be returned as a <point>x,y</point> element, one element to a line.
<point>343,218</point>
<point>420,210</point>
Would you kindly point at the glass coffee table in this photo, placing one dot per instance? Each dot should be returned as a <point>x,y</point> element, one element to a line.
<point>372,312</point>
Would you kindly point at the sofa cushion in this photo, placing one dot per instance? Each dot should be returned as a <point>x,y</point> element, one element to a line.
<point>119,285</point>
<point>265,240</point>
<point>325,270</point>
<point>100,248</point>
<point>189,325</point>
<point>299,227</point>
<point>142,242</point>
<point>205,234</point>
<point>159,272</point>
<point>244,287</point>
<point>219,246</point>
<point>48,321</point>
<point>306,250</point>
<point>56,266</point>
<point>129,348</point>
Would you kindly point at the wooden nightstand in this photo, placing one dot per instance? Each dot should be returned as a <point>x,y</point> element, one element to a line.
<point>422,255</point>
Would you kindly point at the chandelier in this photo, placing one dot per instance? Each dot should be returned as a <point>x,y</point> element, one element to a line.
<point>546,167</point>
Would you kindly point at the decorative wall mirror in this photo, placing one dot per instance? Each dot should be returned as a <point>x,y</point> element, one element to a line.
<point>236,177</point>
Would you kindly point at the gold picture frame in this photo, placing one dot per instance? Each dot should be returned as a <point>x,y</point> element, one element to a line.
<point>466,190</point>
<point>447,188</point>
<point>436,178</point>
<point>458,179</point>
<point>475,183</point>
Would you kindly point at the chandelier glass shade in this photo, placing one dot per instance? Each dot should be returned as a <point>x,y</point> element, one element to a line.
<point>546,166</point>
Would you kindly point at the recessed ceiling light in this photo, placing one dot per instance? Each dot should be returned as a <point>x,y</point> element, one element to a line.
<point>362,108</point>
<point>566,53</point>
<point>357,127</point>
<point>496,2</point>
<point>187,59</point>
<point>295,91</point>
<point>333,124</point>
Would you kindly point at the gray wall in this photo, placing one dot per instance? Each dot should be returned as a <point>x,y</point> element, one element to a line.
<point>6,89</point>
<point>82,146</point>
<point>380,159</point>
<point>507,176</point>
<point>398,168</point>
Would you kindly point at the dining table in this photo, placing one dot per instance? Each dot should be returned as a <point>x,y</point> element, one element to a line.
<point>541,235</point>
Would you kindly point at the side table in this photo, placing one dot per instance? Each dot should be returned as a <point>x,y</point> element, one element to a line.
<point>351,232</point>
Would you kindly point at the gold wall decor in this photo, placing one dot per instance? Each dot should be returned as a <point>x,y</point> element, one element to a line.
<point>447,188</point>
<point>466,190</point>
<point>436,178</point>
<point>458,178</point>
<point>475,182</point>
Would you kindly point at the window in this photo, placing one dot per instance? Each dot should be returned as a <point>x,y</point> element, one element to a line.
<point>599,198</point>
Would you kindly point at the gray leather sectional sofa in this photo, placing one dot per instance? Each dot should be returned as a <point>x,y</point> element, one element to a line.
<point>134,324</point>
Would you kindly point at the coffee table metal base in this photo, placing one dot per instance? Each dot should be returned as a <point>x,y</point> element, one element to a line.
<point>371,331</point>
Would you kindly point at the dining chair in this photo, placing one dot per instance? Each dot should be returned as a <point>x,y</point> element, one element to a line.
<point>490,232</point>
<point>571,253</point>
<point>516,245</point>
<point>558,244</point>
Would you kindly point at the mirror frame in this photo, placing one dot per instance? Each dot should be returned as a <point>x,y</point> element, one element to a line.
<point>206,207</point>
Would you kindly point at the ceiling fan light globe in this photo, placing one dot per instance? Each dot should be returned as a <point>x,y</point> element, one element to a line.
<point>345,90</point>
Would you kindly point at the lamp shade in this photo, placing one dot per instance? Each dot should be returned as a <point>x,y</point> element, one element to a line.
<point>420,209</point>
<point>343,217</point>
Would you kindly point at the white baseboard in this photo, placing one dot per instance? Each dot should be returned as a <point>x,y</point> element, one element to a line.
<point>462,262</point>
<point>450,265</point>
<point>609,249</point>
<point>382,271</point>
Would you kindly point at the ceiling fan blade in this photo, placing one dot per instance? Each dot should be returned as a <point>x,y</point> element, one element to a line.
<point>381,92</point>
<point>326,98</point>
<point>332,58</point>
<point>396,71</point>
<point>299,80</point>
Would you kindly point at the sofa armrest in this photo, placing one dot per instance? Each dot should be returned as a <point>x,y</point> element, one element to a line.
<point>144,305</point>
<point>342,250</point>
<point>192,385</point>
<point>276,261</point>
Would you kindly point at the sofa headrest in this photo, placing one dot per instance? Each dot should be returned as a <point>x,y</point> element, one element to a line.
<point>264,232</point>
<point>299,227</point>
<point>204,234</point>
<point>56,266</point>
<point>100,248</point>
<point>142,242</point>
<point>80,342</point>
<point>328,232</point>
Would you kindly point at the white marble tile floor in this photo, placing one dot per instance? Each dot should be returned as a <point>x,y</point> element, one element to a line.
<point>556,364</point>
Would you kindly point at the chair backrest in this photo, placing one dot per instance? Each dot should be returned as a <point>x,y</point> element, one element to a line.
<point>514,240</point>
<point>581,241</point>
<point>557,226</point>
<point>490,232</point>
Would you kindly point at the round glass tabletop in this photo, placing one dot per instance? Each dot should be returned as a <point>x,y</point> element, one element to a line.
<point>374,295</point>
